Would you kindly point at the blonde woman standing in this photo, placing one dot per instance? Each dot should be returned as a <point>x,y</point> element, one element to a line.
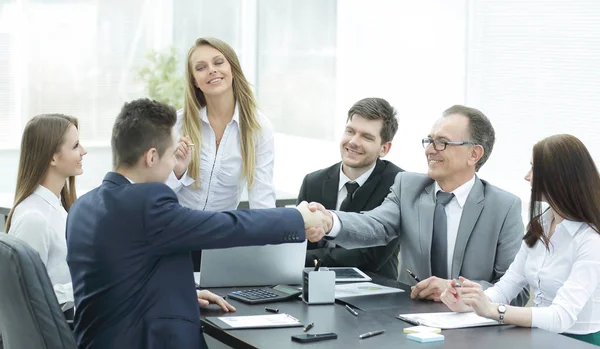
<point>226,143</point>
<point>50,159</point>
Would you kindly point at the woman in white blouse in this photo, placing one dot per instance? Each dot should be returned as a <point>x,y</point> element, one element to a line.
<point>227,144</point>
<point>560,255</point>
<point>50,159</point>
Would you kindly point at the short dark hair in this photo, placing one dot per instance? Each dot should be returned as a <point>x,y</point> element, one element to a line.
<point>480,128</point>
<point>375,109</point>
<point>142,124</point>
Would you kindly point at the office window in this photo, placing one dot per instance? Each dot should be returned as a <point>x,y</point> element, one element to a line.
<point>533,68</point>
<point>296,66</point>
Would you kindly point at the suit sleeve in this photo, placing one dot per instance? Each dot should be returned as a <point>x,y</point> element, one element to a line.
<point>173,228</point>
<point>302,195</point>
<point>372,228</point>
<point>509,243</point>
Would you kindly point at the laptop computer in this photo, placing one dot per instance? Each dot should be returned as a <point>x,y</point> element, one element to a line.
<point>253,265</point>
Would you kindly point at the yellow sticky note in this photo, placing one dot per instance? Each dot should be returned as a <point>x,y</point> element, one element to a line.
<point>422,329</point>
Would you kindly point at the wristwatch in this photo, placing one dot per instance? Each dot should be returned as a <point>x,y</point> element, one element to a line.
<point>501,311</point>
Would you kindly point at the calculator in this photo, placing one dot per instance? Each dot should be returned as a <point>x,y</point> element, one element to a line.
<point>265,294</point>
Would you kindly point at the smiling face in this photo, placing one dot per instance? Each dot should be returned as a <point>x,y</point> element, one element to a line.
<point>67,161</point>
<point>361,144</point>
<point>455,165</point>
<point>211,71</point>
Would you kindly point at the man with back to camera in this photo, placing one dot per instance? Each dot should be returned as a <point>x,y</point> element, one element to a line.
<point>129,242</point>
<point>360,182</point>
<point>449,222</point>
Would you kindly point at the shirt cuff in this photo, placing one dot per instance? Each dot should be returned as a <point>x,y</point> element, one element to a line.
<point>541,317</point>
<point>176,184</point>
<point>494,295</point>
<point>64,292</point>
<point>337,226</point>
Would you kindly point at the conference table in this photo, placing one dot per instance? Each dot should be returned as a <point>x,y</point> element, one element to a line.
<point>335,318</point>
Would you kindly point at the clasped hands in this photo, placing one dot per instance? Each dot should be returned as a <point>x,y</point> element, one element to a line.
<point>468,297</point>
<point>317,220</point>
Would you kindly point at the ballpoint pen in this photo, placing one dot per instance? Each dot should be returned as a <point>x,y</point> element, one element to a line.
<point>352,311</point>
<point>272,310</point>
<point>309,326</point>
<point>370,334</point>
<point>413,276</point>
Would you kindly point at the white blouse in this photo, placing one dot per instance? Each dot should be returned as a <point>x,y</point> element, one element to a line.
<point>221,183</point>
<point>40,220</point>
<point>565,280</point>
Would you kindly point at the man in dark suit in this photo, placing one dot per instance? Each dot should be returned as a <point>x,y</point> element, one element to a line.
<point>360,182</point>
<point>129,241</point>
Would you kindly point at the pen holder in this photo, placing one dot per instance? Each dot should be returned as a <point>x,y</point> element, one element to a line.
<point>318,287</point>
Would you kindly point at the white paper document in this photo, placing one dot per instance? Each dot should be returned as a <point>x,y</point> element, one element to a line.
<point>256,321</point>
<point>447,320</point>
<point>362,289</point>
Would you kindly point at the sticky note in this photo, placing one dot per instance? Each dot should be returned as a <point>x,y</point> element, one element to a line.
<point>420,329</point>
<point>425,337</point>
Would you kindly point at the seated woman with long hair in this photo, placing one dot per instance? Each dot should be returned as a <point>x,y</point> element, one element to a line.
<point>50,159</point>
<point>560,255</point>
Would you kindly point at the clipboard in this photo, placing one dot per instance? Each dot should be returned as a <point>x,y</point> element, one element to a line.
<point>254,321</point>
<point>447,320</point>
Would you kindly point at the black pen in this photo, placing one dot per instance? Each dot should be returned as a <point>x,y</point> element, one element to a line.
<point>352,311</point>
<point>318,265</point>
<point>309,326</point>
<point>272,310</point>
<point>413,276</point>
<point>370,334</point>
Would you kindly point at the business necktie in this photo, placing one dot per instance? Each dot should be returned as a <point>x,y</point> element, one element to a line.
<point>439,241</point>
<point>350,188</point>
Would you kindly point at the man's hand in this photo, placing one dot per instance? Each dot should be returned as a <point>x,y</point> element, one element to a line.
<point>317,207</point>
<point>206,297</point>
<point>183,156</point>
<point>315,222</point>
<point>430,289</point>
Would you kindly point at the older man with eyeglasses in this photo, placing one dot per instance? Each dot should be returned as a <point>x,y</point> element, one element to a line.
<point>450,223</point>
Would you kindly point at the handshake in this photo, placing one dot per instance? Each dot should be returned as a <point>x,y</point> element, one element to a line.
<point>317,220</point>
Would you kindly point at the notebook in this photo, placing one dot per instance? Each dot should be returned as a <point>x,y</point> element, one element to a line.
<point>447,320</point>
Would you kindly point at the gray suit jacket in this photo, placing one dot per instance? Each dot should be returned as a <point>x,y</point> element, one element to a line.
<point>489,234</point>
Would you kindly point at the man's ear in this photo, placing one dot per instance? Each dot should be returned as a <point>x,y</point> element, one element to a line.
<point>385,148</point>
<point>476,154</point>
<point>151,157</point>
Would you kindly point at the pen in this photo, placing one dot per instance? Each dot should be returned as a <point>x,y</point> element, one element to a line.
<point>190,144</point>
<point>352,311</point>
<point>370,334</point>
<point>413,276</point>
<point>318,264</point>
<point>309,326</point>
<point>272,310</point>
<point>458,283</point>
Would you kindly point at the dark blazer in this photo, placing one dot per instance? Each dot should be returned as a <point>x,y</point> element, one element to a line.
<point>322,186</point>
<point>129,256</point>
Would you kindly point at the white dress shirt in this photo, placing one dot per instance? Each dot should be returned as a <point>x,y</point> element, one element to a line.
<point>342,191</point>
<point>221,182</point>
<point>41,221</point>
<point>565,280</point>
<point>453,210</point>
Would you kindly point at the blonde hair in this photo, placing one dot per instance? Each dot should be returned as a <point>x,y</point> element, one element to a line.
<point>42,138</point>
<point>194,100</point>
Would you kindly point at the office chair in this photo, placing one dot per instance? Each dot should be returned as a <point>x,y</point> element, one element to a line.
<point>30,316</point>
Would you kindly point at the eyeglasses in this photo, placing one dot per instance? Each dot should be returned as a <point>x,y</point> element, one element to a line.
<point>440,145</point>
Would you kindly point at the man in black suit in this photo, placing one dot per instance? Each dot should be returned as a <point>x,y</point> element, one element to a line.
<point>358,183</point>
